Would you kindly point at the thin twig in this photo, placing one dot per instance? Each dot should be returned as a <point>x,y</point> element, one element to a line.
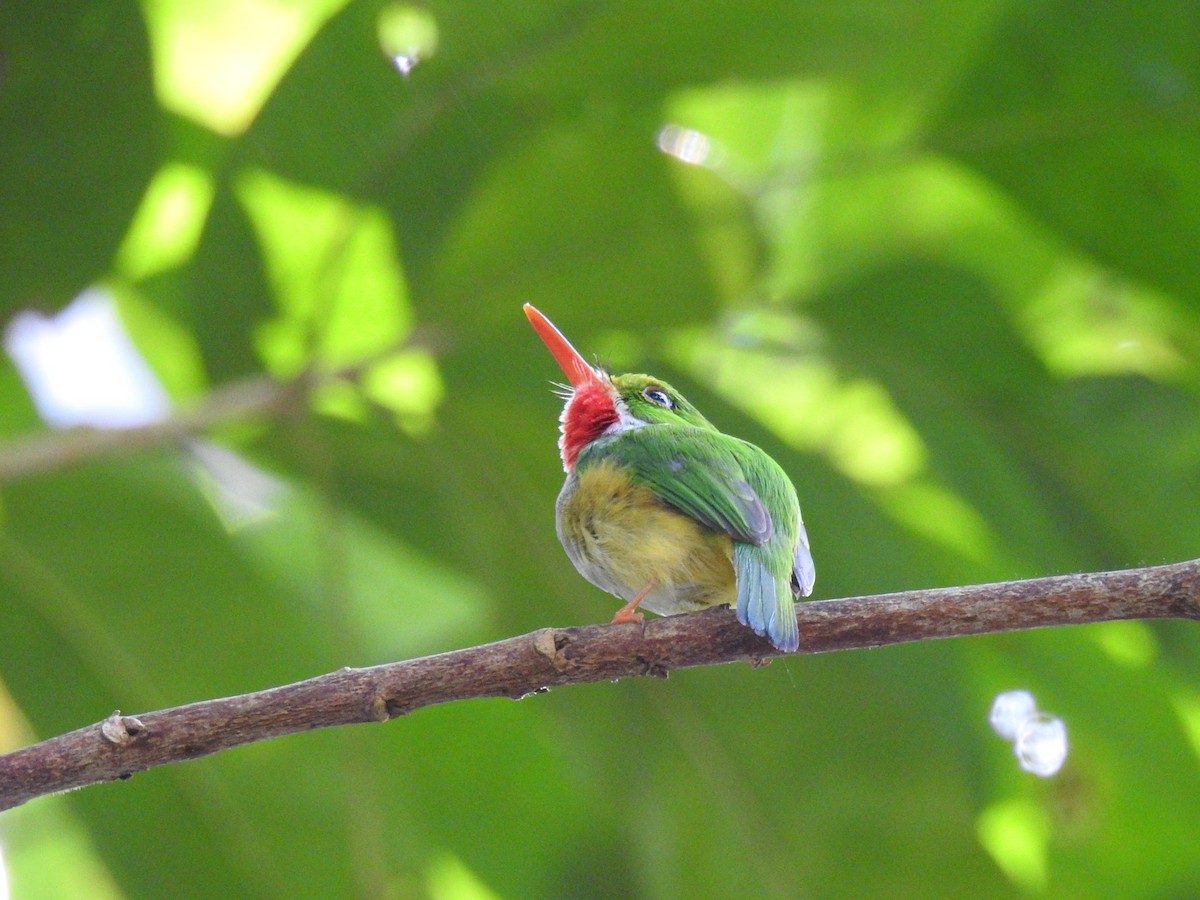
<point>255,396</point>
<point>123,745</point>
<point>57,451</point>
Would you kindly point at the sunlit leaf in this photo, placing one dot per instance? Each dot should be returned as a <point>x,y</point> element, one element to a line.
<point>936,258</point>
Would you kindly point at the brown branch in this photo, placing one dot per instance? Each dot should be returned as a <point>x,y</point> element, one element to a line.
<point>122,745</point>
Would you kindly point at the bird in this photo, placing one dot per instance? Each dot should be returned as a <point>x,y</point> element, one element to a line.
<point>668,513</point>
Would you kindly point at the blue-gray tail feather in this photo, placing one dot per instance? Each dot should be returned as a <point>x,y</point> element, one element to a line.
<point>764,600</point>
<point>804,573</point>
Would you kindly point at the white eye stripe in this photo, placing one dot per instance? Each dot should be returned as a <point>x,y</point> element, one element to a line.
<point>625,419</point>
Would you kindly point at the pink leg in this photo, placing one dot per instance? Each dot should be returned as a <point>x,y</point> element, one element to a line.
<point>629,612</point>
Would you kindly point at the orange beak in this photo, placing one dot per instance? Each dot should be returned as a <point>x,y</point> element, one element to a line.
<point>577,370</point>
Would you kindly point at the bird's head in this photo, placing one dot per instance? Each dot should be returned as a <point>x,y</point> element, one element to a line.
<point>600,404</point>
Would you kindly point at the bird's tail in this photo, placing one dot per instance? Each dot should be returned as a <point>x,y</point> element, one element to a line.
<point>764,599</point>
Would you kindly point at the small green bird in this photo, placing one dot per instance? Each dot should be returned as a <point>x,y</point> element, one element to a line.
<point>668,513</point>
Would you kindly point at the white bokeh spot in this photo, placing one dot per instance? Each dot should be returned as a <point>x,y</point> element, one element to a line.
<point>81,368</point>
<point>1039,739</point>
<point>1041,744</point>
<point>1010,709</point>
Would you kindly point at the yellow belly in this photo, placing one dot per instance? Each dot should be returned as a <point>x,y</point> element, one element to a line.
<point>622,537</point>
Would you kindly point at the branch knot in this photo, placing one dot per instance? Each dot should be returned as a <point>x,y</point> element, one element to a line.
<point>122,730</point>
<point>550,642</point>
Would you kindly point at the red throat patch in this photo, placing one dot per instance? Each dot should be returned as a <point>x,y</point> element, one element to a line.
<point>587,415</point>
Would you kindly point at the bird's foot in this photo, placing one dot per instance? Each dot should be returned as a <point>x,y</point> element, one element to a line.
<point>628,613</point>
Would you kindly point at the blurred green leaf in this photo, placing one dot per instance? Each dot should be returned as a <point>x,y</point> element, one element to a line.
<point>1089,118</point>
<point>77,107</point>
<point>936,259</point>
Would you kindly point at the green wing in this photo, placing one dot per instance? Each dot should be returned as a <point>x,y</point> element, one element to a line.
<point>731,486</point>
<point>701,473</point>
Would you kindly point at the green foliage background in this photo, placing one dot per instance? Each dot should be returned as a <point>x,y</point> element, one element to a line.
<point>940,261</point>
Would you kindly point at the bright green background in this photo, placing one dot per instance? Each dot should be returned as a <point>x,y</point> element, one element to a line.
<point>942,264</point>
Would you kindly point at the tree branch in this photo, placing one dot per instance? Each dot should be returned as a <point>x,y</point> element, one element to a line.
<point>122,745</point>
<point>257,395</point>
<point>55,451</point>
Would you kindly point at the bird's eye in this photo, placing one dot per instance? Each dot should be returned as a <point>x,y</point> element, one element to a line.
<point>658,396</point>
